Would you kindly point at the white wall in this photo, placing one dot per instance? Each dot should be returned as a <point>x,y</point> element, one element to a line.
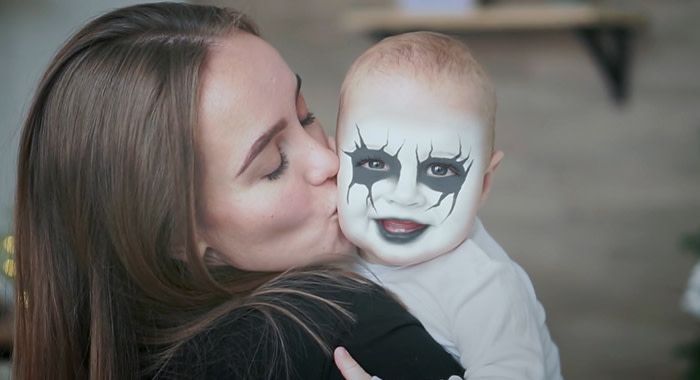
<point>31,31</point>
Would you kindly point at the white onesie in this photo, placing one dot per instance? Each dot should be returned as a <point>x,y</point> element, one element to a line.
<point>480,306</point>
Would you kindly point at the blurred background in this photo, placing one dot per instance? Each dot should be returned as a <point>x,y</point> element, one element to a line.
<point>593,199</point>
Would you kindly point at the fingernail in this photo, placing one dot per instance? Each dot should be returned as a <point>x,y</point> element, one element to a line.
<point>342,352</point>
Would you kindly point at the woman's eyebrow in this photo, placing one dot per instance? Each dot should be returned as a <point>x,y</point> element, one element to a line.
<point>261,143</point>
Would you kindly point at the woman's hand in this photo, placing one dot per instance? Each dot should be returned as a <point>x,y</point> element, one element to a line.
<point>348,366</point>
<point>351,370</point>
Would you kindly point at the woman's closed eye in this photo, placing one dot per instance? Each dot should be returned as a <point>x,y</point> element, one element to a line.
<point>281,168</point>
<point>305,121</point>
<point>308,119</point>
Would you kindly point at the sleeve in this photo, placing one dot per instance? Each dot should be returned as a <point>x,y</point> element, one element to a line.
<point>390,343</point>
<point>550,351</point>
<point>495,327</point>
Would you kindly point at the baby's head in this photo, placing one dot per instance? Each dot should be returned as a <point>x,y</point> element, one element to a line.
<point>415,139</point>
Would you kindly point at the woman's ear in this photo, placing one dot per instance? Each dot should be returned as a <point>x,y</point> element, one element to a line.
<point>200,244</point>
<point>208,255</point>
<point>496,158</point>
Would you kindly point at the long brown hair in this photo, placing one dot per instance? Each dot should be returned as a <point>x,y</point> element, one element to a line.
<point>108,279</point>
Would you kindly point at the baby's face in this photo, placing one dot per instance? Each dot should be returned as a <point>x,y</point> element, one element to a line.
<point>412,159</point>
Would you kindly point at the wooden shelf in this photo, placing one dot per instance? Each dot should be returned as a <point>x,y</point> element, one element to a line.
<point>492,18</point>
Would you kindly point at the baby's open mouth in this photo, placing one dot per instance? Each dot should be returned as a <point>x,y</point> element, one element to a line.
<point>400,230</point>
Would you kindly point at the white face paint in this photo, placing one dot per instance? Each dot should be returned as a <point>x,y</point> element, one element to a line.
<point>412,161</point>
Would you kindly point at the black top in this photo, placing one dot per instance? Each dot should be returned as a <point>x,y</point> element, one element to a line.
<point>385,339</point>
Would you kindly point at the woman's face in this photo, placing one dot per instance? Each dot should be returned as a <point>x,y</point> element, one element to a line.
<point>266,174</point>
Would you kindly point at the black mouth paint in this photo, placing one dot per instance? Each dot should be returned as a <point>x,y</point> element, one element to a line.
<point>399,237</point>
<point>444,185</point>
<point>366,176</point>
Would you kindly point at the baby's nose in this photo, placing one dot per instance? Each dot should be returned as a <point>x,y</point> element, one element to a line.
<point>406,192</point>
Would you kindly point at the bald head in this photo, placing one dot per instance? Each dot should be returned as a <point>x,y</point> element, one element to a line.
<point>435,60</point>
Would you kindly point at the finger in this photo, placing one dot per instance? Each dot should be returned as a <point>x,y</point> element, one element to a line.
<point>348,366</point>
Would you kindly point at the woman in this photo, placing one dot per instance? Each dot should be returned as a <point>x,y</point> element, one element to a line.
<point>171,180</point>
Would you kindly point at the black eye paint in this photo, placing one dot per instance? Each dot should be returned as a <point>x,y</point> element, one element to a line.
<point>444,185</point>
<point>368,177</point>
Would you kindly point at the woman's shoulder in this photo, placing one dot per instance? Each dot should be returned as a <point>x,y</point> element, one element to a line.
<point>290,332</point>
<point>289,329</point>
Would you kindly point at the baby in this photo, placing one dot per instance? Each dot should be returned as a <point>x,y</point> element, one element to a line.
<point>415,139</point>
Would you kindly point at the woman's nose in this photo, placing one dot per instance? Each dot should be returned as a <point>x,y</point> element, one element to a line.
<point>406,192</point>
<point>322,162</point>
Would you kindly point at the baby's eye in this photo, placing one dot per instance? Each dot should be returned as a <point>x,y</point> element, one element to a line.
<point>440,170</point>
<point>374,165</point>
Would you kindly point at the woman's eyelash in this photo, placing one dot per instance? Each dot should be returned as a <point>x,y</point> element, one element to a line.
<point>284,164</point>
<point>308,119</point>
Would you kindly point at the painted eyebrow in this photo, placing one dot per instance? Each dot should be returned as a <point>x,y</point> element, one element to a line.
<point>296,96</point>
<point>260,144</point>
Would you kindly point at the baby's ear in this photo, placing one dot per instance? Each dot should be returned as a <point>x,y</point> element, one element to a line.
<point>496,158</point>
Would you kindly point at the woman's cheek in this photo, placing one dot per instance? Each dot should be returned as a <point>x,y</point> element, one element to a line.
<point>290,208</point>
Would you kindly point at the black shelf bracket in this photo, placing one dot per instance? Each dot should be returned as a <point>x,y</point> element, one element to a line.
<point>610,49</point>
